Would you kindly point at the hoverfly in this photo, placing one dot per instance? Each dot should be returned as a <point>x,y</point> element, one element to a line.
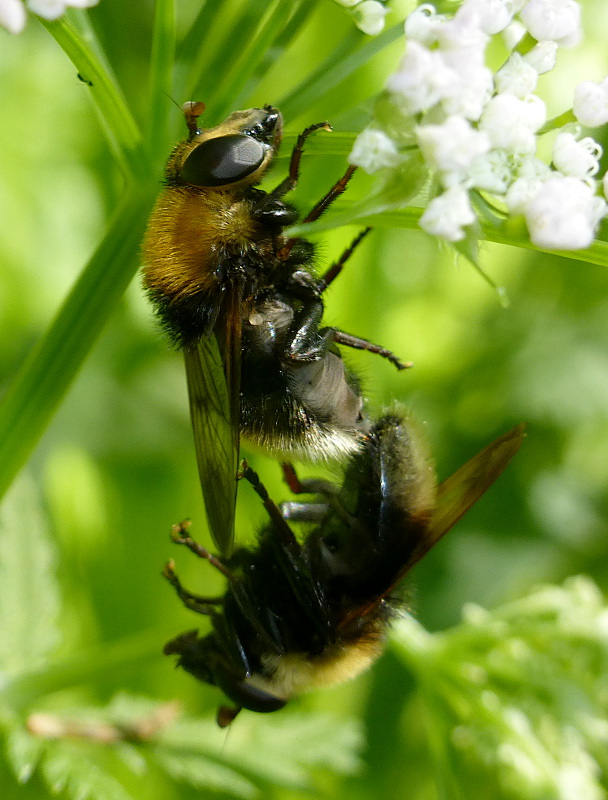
<point>243,302</point>
<point>297,616</point>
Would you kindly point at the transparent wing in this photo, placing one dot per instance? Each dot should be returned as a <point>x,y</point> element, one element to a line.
<point>460,491</point>
<point>455,496</point>
<point>216,427</point>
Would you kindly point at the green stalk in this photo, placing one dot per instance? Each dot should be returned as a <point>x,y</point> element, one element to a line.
<point>120,127</point>
<point>337,67</point>
<point>38,388</point>
<point>219,39</point>
<point>161,72</point>
<point>231,87</point>
<point>511,232</point>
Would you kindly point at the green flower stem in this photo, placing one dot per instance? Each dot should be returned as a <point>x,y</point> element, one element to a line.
<point>557,122</point>
<point>120,127</point>
<point>512,232</point>
<point>322,143</point>
<point>37,390</point>
<point>121,656</point>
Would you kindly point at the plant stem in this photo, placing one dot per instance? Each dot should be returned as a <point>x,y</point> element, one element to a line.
<point>38,388</point>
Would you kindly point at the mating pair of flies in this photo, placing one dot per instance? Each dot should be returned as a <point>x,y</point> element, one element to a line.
<point>243,302</point>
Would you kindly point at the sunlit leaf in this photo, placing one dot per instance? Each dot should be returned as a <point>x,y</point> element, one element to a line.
<point>29,593</point>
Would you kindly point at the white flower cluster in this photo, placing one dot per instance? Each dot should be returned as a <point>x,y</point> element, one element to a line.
<point>368,15</point>
<point>477,131</point>
<point>12,12</point>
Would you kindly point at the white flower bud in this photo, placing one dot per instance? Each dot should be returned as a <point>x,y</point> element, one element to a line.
<point>556,20</point>
<point>513,34</point>
<point>446,214</point>
<point>531,168</point>
<point>577,158</point>
<point>373,150</point>
<point>471,89</point>
<point>422,79</point>
<point>542,57</point>
<point>53,9</point>
<point>423,24</point>
<point>463,32</point>
<point>516,77</point>
<point>491,172</point>
<point>511,123</point>
<point>520,192</point>
<point>369,17</point>
<point>493,15</point>
<point>531,174</point>
<point>563,214</point>
<point>451,146</point>
<point>12,15</point>
<point>590,105</point>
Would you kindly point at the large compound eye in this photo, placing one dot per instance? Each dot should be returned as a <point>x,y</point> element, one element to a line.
<point>223,160</point>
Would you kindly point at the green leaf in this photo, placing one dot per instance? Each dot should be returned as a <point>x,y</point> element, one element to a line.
<point>69,769</point>
<point>265,749</point>
<point>203,773</point>
<point>29,598</point>
<point>23,753</point>
<point>519,693</point>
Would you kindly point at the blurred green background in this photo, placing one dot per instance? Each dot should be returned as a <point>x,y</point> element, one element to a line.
<point>116,467</point>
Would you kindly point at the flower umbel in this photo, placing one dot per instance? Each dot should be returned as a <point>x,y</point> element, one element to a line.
<point>478,131</point>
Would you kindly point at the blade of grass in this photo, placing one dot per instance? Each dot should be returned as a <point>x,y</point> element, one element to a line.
<point>200,44</point>
<point>231,87</point>
<point>336,68</point>
<point>123,655</point>
<point>220,39</point>
<point>34,395</point>
<point>300,13</point>
<point>123,134</point>
<point>161,72</point>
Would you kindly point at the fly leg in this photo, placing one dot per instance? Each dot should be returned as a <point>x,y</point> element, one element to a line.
<point>307,592</point>
<point>306,512</point>
<point>336,268</point>
<point>179,535</point>
<point>312,512</point>
<point>363,344</point>
<point>195,602</point>
<point>336,190</point>
<point>286,535</point>
<point>291,180</point>
<point>307,343</point>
